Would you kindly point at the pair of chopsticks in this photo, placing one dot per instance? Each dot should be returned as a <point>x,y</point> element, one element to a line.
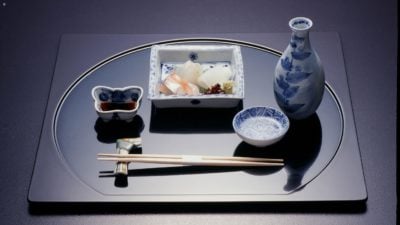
<point>192,160</point>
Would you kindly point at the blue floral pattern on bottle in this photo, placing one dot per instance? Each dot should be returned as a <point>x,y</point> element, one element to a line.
<point>287,64</point>
<point>299,77</point>
<point>300,55</point>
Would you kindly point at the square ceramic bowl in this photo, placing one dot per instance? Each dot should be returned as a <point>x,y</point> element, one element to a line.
<point>167,58</point>
<point>260,126</point>
<point>117,103</point>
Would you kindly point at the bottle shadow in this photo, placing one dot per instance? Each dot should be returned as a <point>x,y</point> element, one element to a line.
<point>299,149</point>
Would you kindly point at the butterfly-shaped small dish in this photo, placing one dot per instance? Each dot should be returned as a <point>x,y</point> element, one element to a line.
<point>117,103</point>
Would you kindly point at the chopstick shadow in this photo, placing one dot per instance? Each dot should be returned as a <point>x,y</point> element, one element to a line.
<point>183,170</point>
<point>121,181</point>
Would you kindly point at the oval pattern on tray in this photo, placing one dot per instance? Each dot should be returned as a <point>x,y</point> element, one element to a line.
<point>307,150</point>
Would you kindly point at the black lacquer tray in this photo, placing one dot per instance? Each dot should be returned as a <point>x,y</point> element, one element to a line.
<point>73,134</point>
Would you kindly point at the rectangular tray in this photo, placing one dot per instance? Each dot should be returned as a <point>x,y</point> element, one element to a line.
<point>53,181</point>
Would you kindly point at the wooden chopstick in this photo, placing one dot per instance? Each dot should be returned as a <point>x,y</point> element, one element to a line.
<point>192,160</point>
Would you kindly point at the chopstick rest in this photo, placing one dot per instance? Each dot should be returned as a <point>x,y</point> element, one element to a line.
<point>124,147</point>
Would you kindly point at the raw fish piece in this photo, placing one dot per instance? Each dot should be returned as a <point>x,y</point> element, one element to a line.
<point>174,84</point>
<point>213,76</point>
<point>189,71</point>
<point>190,89</point>
<point>164,89</point>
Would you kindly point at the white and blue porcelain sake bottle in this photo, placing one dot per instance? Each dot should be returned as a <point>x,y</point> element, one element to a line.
<point>299,76</point>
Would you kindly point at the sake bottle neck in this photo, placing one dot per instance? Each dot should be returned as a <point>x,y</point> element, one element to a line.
<point>300,27</point>
<point>300,40</point>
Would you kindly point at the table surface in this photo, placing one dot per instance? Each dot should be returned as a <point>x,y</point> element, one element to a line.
<point>29,38</point>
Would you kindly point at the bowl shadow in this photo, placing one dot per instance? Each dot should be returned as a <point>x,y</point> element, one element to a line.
<point>110,132</point>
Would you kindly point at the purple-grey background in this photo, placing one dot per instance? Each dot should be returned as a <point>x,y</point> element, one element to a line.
<point>29,36</point>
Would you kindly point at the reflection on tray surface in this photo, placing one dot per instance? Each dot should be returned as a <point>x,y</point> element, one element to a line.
<point>109,132</point>
<point>193,120</point>
<point>121,181</point>
<point>173,170</point>
<point>305,155</point>
<point>299,148</point>
<point>302,148</point>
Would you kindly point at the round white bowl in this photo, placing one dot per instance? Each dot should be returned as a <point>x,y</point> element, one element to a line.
<point>260,126</point>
